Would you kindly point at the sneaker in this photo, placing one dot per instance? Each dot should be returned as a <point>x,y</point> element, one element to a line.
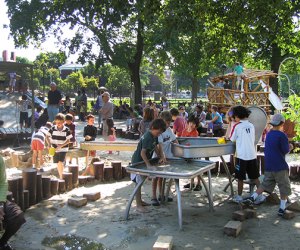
<point>237,199</point>
<point>260,199</point>
<point>197,188</point>
<point>188,185</point>
<point>155,202</point>
<point>248,201</point>
<point>169,199</point>
<point>281,212</point>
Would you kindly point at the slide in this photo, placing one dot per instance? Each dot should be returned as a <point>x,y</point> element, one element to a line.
<point>37,101</point>
<point>274,99</point>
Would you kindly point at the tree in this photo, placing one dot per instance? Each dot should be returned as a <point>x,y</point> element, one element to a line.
<point>104,31</point>
<point>25,60</point>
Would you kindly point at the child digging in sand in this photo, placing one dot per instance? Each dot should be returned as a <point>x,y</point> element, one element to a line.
<point>146,146</point>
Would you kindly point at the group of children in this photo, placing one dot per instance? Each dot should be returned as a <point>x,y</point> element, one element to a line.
<point>156,142</point>
<point>61,136</point>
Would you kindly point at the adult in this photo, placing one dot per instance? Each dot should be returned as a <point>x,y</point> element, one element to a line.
<point>98,106</point>
<point>54,100</point>
<point>200,114</point>
<point>77,101</point>
<point>226,84</point>
<point>216,124</point>
<point>165,103</point>
<point>107,112</point>
<point>10,214</point>
<point>83,105</point>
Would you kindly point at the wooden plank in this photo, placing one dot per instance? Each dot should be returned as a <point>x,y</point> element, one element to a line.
<point>163,242</point>
<point>113,146</point>
<point>233,228</point>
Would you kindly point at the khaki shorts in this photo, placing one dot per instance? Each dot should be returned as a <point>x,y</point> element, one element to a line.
<point>281,178</point>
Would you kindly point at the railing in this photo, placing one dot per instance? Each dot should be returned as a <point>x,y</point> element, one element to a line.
<point>228,98</point>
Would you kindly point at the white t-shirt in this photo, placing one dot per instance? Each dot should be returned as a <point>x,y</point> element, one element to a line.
<point>244,136</point>
<point>165,140</point>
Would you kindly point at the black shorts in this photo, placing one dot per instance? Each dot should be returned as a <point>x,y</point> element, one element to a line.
<point>59,156</point>
<point>23,117</point>
<point>243,167</point>
<point>13,213</point>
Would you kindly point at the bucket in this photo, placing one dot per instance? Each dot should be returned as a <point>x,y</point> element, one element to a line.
<point>51,151</point>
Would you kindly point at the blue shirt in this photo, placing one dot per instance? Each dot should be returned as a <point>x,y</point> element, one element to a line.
<point>219,121</point>
<point>276,147</point>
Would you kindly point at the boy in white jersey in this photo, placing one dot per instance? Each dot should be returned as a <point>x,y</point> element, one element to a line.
<point>243,133</point>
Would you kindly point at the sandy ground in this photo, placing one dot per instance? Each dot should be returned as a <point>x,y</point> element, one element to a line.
<point>103,221</point>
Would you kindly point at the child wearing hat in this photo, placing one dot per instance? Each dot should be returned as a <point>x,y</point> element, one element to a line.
<point>276,168</point>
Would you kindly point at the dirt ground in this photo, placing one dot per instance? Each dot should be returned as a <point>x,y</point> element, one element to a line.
<point>103,221</point>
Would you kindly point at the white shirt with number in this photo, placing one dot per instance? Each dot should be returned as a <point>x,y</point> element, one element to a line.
<point>244,136</point>
<point>165,140</point>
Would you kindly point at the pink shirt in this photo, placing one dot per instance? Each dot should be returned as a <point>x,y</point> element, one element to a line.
<point>179,125</point>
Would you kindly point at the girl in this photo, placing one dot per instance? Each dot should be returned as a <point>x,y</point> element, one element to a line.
<point>148,117</point>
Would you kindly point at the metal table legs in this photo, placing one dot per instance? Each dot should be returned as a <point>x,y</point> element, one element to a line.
<point>132,196</point>
<point>228,175</point>
<point>179,203</point>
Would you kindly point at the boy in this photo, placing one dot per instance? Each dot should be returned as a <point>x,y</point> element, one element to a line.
<point>38,145</point>
<point>59,137</point>
<point>179,122</point>
<point>23,107</point>
<point>164,141</point>
<point>70,125</point>
<point>243,134</point>
<point>276,168</point>
<point>146,146</point>
<point>90,133</point>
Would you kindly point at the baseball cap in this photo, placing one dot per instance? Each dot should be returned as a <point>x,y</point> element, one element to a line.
<point>277,119</point>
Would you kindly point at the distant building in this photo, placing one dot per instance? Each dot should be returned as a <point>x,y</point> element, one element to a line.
<point>68,68</point>
<point>8,56</point>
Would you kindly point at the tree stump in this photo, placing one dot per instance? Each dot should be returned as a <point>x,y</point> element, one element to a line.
<point>82,180</point>
<point>117,170</point>
<point>46,183</point>
<point>54,186</point>
<point>39,187</point>
<point>21,194</point>
<point>68,181</point>
<point>99,170</point>
<point>29,183</point>
<point>108,173</point>
<point>61,186</point>
<point>13,186</point>
<point>74,169</point>
<point>26,199</point>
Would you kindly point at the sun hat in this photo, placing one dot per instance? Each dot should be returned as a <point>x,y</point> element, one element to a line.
<point>277,119</point>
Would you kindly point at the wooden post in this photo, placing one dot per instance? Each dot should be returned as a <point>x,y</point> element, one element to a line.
<point>29,183</point>
<point>108,173</point>
<point>54,186</point>
<point>74,169</point>
<point>82,180</point>
<point>117,170</point>
<point>99,170</point>
<point>61,186</point>
<point>39,187</point>
<point>20,193</point>
<point>13,186</point>
<point>46,183</point>
<point>68,180</point>
<point>26,199</point>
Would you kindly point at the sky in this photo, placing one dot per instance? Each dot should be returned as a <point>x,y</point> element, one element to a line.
<point>7,42</point>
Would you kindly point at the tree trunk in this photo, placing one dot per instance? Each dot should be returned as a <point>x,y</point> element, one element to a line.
<point>275,63</point>
<point>195,87</point>
<point>134,67</point>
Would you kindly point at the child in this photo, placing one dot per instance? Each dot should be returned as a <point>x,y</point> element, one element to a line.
<point>70,124</point>
<point>179,122</point>
<point>191,131</point>
<point>90,133</point>
<point>146,146</point>
<point>38,145</point>
<point>67,104</point>
<point>59,136</point>
<point>148,117</point>
<point>23,108</point>
<point>244,136</point>
<point>90,169</point>
<point>216,124</point>
<point>231,123</point>
<point>111,131</point>
<point>183,113</point>
<point>164,141</point>
<point>276,169</point>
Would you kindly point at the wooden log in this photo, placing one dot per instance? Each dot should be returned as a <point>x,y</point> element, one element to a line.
<point>273,199</point>
<point>90,178</point>
<point>26,199</point>
<point>68,181</point>
<point>239,215</point>
<point>108,173</point>
<point>233,228</point>
<point>74,169</point>
<point>29,183</point>
<point>117,169</point>
<point>99,170</point>
<point>46,184</point>
<point>61,186</point>
<point>92,196</point>
<point>82,180</point>
<point>77,202</point>
<point>21,194</point>
<point>54,186</point>
<point>13,186</point>
<point>39,187</point>
<point>163,242</point>
<point>250,213</point>
<point>124,172</point>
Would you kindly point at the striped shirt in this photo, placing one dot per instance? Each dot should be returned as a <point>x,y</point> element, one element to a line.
<point>40,135</point>
<point>58,137</point>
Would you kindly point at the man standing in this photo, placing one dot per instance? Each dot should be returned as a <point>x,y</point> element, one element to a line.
<point>98,106</point>
<point>107,111</point>
<point>11,215</point>
<point>54,100</point>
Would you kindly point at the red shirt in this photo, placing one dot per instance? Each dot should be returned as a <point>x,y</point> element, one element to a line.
<point>179,125</point>
<point>193,133</point>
